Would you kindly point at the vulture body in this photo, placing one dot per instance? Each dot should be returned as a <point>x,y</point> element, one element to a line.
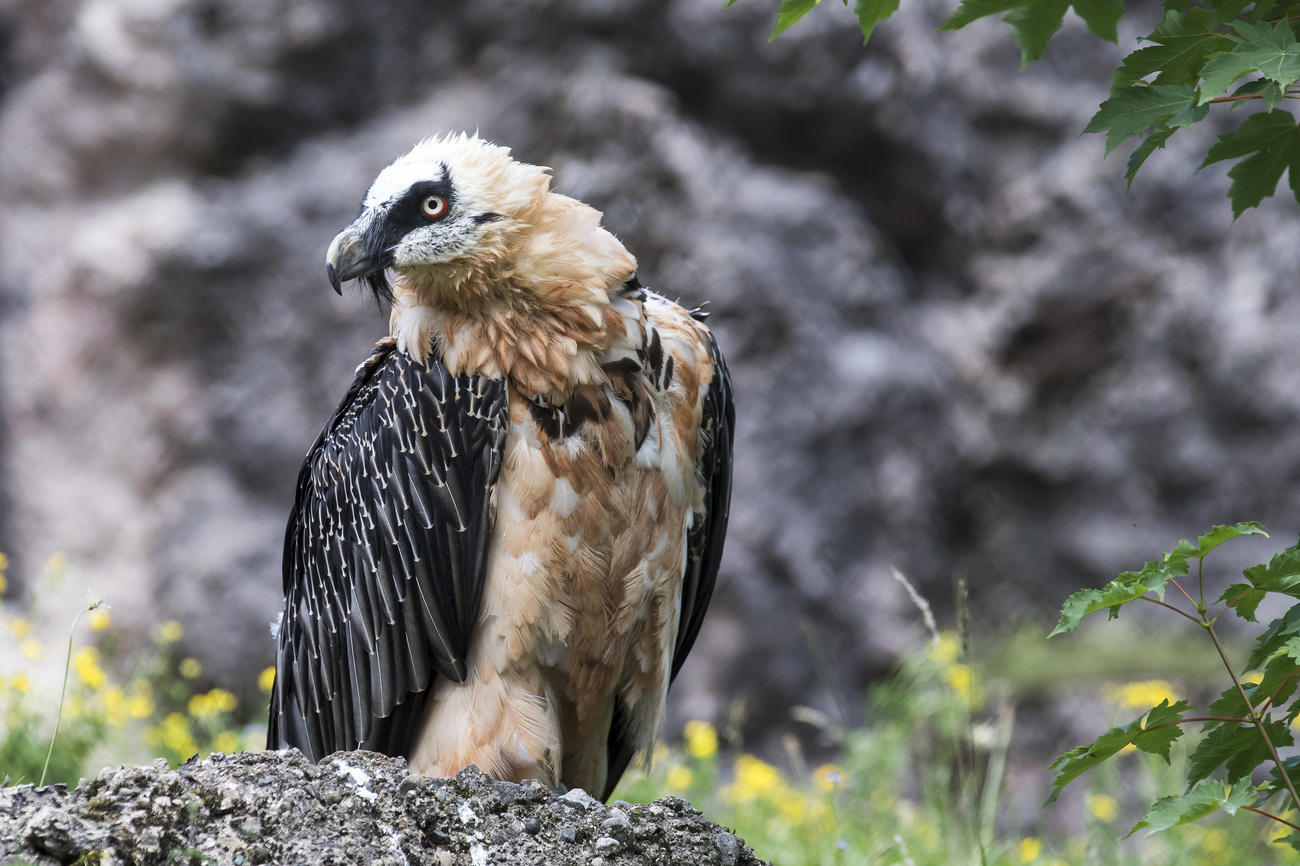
<point>504,540</point>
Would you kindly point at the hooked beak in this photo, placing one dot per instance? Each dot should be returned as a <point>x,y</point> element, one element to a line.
<point>347,259</point>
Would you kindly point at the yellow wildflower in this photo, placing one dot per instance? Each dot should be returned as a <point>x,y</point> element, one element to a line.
<point>755,779</point>
<point>211,703</point>
<point>85,662</point>
<point>701,739</point>
<point>4,561</point>
<point>959,678</point>
<point>1029,849</point>
<point>31,649</point>
<point>100,619</point>
<point>946,648</point>
<point>115,706</point>
<point>173,732</point>
<point>790,803</point>
<point>1140,695</point>
<point>4,582</point>
<point>828,777</point>
<point>190,668</point>
<point>171,631</point>
<point>57,562</point>
<point>20,627</point>
<point>680,778</point>
<point>226,741</point>
<point>266,680</point>
<point>1103,807</point>
<point>1214,841</point>
<point>139,706</point>
<point>21,684</point>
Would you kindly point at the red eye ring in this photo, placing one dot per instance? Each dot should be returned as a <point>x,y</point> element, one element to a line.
<point>434,207</point>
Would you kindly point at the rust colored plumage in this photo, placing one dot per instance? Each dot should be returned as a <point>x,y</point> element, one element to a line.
<point>576,533</point>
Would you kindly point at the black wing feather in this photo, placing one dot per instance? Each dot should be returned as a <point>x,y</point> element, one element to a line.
<point>385,555</point>
<point>704,541</point>
<point>707,531</point>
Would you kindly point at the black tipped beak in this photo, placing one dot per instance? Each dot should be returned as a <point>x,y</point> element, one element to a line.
<point>333,273</point>
<point>347,259</point>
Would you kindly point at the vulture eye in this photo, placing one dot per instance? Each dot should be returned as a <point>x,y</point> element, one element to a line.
<point>434,207</point>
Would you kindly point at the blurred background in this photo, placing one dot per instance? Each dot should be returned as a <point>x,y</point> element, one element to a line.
<point>960,349</point>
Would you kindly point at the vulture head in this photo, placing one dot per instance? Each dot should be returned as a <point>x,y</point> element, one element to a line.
<point>457,221</point>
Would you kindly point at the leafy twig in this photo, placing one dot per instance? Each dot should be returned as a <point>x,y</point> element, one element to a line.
<point>1255,716</point>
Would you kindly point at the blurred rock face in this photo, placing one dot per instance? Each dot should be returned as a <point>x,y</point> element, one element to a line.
<point>958,348</point>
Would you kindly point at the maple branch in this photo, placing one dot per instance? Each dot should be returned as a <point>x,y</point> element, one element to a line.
<point>1179,587</point>
<point>1171,607</point>
<point>1268,700</point>
<point>1290,94</point>
<point>1194,719</point>
<point>1271,815</point>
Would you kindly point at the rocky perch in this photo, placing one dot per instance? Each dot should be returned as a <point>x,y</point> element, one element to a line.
<point>353,807</point>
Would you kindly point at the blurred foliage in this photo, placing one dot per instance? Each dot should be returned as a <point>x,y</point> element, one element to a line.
<point>925,783</point>
<point>1192,58</point>
<point>1236,763</point>
<point>156,709</point>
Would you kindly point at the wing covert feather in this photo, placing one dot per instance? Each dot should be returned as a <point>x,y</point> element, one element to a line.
<point>385,555</point>
<point>704,540</point>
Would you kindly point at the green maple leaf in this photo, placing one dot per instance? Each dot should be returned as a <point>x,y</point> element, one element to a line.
<point>1177,61</point>
<point>1244,599</point>
<point>1154,732</point>
<point>971,10</point>
<point>1101,16</point>
<point>1033,24</point>
<point>1034,21</point>
<point>1272,47</point>
<point>872,12</point>
<point>1206,797</point>
<point>790,12</point>
<point>1221,533</point>
<point>1239,747</point>
<point>1270,143</point>
<point>1148,146</point>
<point>1270,50</point>
<point>1133,110</point>
<point>1279,631</point>
<point>1281,575</point>
<point>1132,585</point>
<point>1277,684</point>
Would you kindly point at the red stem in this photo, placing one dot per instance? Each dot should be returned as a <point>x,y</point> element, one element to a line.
<point>1190,600</point>
<point>1171,607</point>
<point>1271,815</point>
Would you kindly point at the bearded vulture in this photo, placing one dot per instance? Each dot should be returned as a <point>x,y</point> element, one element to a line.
<point>504,540</point>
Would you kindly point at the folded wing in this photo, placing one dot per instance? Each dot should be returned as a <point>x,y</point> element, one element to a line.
<point>385,555</point>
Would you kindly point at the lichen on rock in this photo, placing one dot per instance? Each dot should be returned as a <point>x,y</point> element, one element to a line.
<point>352,807</point>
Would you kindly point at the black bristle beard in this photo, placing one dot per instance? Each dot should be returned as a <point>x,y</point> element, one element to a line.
<point>380,286</point>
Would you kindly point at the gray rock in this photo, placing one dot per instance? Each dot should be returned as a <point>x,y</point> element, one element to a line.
<point>729,847</point>
<point>283,816</point>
